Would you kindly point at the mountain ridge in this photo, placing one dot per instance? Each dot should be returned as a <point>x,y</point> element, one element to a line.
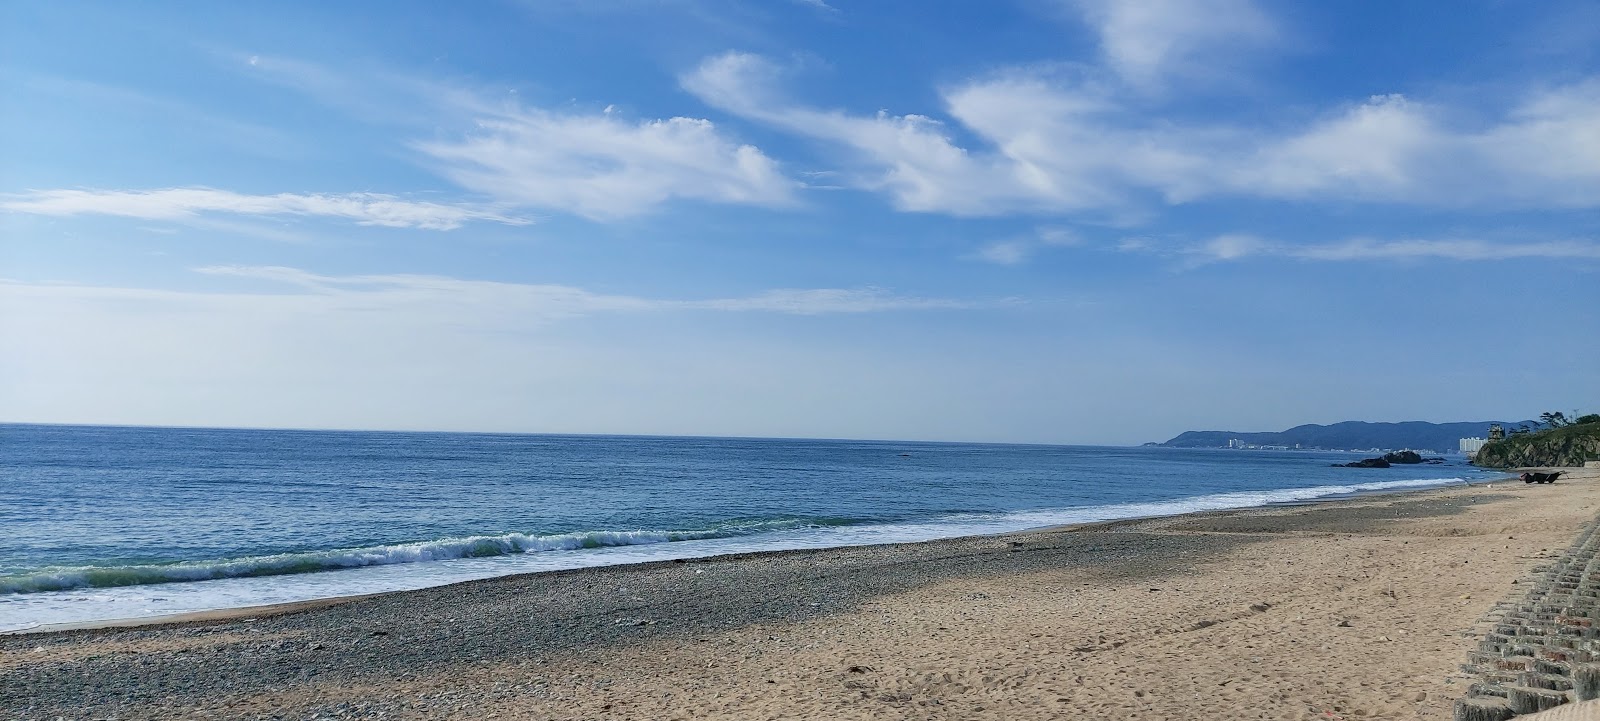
<point>1350,435</point>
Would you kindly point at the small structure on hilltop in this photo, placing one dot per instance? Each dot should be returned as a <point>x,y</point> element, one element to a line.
<point>1496,433</point>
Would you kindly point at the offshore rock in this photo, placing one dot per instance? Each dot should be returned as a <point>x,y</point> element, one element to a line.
<point>1364,463</point>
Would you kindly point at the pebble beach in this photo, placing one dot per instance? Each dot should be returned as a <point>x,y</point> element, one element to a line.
<point>1357,608</point>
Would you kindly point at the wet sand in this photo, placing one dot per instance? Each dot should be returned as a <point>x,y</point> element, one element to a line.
<point>1361,608</point>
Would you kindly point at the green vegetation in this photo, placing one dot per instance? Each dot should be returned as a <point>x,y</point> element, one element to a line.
<point>1563,442</point>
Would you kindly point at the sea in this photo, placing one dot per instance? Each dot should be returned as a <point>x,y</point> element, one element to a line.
<point>105,523</point>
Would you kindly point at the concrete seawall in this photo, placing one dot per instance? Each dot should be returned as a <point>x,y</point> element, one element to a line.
<point>1543,651</point>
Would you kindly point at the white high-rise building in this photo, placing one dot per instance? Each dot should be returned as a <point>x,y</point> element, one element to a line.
<point>1471,446</point>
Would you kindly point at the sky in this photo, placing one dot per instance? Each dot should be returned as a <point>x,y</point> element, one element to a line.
<point>1054,221</point>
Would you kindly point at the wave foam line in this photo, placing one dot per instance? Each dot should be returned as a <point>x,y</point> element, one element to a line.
<point>1218,502</point>
<point>61,579</point>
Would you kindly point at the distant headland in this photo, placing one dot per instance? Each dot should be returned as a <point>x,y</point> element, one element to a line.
<point>1562,442</point>
<point>1435,438</point>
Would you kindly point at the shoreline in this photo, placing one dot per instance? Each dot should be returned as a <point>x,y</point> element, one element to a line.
<point>275,609</point>
<point>1356,608</point>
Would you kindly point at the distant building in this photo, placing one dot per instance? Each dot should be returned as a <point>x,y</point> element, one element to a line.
<point>1471,446</point>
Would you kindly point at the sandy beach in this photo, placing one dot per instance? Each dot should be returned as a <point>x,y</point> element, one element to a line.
<point>1354,609</point>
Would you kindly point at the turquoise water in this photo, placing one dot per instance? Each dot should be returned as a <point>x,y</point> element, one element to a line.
<point>103,522</point>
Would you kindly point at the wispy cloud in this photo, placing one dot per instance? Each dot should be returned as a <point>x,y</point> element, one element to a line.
<point>912,158</point>
<point>540,301</point>
<point>375,94</point>
<point>1017,250</point>
<point>595,163</point>
<point>830,300</point>
<point>1465,250</point>
<point>183,203</point>
<point>818,4</point>
<point>1240,246</point>
<point>1542,153</point>
<point>1064,142</point>
<point>1148,42</point>
<point>601,166</point>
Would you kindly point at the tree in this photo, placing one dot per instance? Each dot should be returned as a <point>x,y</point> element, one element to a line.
<point>1586,419</point>
<point>1553,419</point>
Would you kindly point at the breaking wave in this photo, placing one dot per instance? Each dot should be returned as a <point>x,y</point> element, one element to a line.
<point>61,579</point>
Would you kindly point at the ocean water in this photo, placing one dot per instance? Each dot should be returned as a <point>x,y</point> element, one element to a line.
<point>102,523</point>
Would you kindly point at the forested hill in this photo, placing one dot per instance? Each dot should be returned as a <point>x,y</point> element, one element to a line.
<point>1351,435</point>
<point>1567,445</point>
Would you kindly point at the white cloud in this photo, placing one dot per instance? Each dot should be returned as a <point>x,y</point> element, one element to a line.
<point>539,301</point>
<point>1005,252</point>
<point>1543,153</point>
<point>1068,145</point>
<point>1052,149</point>
<point>1013,251</point>
<point>910,157</point>
<point>597,164</point>
<point>1065,143</point>
<point>601,166</point>
<point>185,203</point>
<point>1148,41</point>
<point>1240,246</point>
<point>1368,149</point>
<point>826,300</point>
<point>1366,249</point>
<point>1230,247</point>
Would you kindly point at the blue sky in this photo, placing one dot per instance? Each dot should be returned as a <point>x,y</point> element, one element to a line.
<point>1042,220</point>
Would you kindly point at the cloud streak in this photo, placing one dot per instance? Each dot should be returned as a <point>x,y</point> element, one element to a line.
<point>543,301</point>
<point>602,167</point>
<point>1463,250</point>
<point>1018,250</point>
<point>186,203</point>
<point>1240,246</point>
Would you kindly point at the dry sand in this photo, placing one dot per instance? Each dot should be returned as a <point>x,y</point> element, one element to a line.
<point>1360,609</point>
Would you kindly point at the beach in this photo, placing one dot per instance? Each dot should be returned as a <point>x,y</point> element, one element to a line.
<point>1356,608</point>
